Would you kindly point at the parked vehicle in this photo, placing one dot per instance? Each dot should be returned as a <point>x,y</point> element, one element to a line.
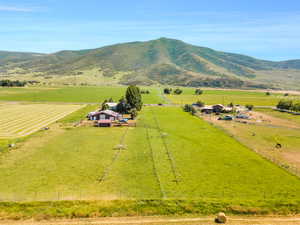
<point>227,117</point>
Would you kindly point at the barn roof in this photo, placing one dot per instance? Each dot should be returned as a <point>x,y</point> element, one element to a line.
<point>107,112</point>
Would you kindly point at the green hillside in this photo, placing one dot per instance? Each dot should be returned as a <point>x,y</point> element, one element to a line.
<point>164,61</point>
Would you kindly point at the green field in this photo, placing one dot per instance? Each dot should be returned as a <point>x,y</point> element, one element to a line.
<point>225,97</point>
<point>164,159</point>
<point>282,115</point>
<point>73,94</point>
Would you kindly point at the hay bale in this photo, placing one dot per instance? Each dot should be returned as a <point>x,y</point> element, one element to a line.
<point>278,145</point>
<point>11,145</point>
<point>221,218</point>
<point>120,147</point>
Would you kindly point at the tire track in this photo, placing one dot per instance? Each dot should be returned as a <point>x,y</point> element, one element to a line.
<point>114,159</point>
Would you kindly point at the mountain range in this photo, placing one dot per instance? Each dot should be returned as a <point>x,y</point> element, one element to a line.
<point>162,61</point>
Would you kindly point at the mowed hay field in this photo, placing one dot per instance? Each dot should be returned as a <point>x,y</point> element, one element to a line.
<point>83,94</point>
<point>17,120</point>
<point>225,97</point>
<point>169,155</point>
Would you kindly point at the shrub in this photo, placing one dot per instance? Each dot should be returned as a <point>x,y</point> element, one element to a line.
<point>249,107</point>
<point>178,91</point>
<point>198,91</point>
<point>167,91</point>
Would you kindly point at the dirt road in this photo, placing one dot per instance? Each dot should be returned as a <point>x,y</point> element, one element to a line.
<point>163,221</point>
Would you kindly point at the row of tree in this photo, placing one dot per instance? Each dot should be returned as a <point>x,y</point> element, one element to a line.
<point>289,105</point>
<point>12,83</point>
<point>168,91</point>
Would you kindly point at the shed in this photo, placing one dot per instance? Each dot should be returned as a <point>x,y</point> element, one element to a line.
<point>218,108</point>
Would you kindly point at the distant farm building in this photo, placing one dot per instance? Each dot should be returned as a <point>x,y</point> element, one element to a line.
<point>216,109</point>
<point>207,109</point>
<point>105,115</point>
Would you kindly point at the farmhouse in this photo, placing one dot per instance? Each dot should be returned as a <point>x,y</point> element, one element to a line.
<point>105,115</point>
<point>216,109</point>
<point>207,109</point>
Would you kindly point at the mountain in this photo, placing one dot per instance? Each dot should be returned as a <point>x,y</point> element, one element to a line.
<point>7,57</point>
<point>161,61</point>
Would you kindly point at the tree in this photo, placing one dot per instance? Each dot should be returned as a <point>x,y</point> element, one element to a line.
<point>268,93</point>
<point>133,113</point>
<point>122,106</point>
<point>230,105</point>
<point>198,91</point>
<point>104,105</point>
<point>177,91</point>
<point>187,108</point>
<point>110,100</point>
<point>285,104</point>
<point>167,91</point>
<point>200,103</point>
<point>134,98</point>
<point>190,109</point>
<point>286,94</point>
<point>296,107</point>
<point>249,107</point>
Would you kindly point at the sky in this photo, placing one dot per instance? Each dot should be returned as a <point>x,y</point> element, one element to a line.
<point>266,29</point>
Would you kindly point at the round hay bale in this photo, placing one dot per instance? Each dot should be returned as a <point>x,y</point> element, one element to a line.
<point>11,145</point>
<point>221,218</point>
<point>278,145</point>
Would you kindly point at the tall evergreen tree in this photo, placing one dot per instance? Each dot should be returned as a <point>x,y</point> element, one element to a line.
<point>134,98</point>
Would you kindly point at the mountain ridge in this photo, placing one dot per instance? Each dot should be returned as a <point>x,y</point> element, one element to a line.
<point>160,61</point>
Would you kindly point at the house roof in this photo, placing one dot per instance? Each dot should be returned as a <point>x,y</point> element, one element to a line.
<point>207,108</point>
<point>111,104</point>
<point>218,105</point>
<point>107,112</point>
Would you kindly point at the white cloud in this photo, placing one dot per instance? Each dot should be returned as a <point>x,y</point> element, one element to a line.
<point>16,9</point>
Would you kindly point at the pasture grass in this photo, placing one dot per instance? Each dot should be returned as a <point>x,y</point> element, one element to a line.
<point>226,97</point>
<point>206,162</point>
<point>282,115</point>
<point>264,138</point>
<point>80,114</point>
<point>82,94</point>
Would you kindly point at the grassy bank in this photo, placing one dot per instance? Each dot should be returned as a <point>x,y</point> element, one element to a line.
<point>118,208</point>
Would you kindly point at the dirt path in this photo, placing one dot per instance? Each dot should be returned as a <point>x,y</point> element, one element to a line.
<point>163,220</point>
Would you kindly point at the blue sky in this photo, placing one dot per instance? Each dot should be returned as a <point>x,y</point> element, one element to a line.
<point>261,28</point>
